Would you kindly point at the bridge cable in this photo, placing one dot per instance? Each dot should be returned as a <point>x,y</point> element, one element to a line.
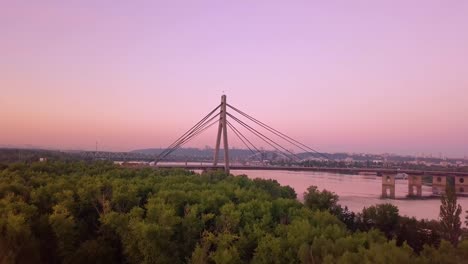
<point>193,134</point>
<point>279,134</point>
<point>262,136</point>
<point>258,151</point>
<point>187,140</point>
<point>198,132</point>
<point>234,130</point>
<point>265,138</point>
<point>246,139</point>
<point>186,134</point>
<point>189,131</point>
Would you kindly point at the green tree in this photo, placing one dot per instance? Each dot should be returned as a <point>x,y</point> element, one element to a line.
<point>17,243</point>
<point>78,212</point>
<point>219,249</point>
<point>384,217</point>
<point>417,233</point>
<point>466,218</point>
<point>305,254</point>
<point>268,251</point>
<point>64,227</point>
<point>450,216</point>
<point>320,200</point>
<point>328,201</point>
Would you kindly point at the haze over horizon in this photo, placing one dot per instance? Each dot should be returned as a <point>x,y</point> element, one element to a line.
<point>366,76</point>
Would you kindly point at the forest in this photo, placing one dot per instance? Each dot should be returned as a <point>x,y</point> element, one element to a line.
<point>97,212</point>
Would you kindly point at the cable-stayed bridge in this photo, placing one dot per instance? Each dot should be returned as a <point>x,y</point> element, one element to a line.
<point>278,141</point>
<point>281,144</point>
<point>227,116</point>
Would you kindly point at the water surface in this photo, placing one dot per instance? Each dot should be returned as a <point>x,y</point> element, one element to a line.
<point>357,191</point>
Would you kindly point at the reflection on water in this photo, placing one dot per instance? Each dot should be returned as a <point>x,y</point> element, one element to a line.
<point>357,191</point>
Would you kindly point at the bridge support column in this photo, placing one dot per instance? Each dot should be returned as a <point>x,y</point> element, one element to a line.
<point>222,128</point>
<point>388,186</point>
<point>461,185</point>
<point>415,186</point>
<point>439,184</point>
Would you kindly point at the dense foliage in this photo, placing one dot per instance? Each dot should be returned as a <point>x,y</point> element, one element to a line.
<point>450,216</point>
<point>58,212</point>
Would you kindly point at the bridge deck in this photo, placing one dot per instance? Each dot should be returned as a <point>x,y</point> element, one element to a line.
<point>318,169</point>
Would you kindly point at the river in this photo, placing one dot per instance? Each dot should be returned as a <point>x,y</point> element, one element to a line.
<point>357,191</point>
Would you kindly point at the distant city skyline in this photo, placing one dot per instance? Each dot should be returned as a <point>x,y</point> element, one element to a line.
<point>360,76</point>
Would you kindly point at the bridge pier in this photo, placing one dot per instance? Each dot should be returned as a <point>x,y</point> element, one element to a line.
<point>388,186</point>
<point>461,185</point>
<point>415,186</point>
<point>439,184</point>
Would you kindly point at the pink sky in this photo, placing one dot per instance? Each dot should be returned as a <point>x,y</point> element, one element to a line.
<point>359,76</point>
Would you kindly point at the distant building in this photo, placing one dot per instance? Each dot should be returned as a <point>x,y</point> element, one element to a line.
<point>444,163</point>
<point>312,158</point>
<point>42,159</point>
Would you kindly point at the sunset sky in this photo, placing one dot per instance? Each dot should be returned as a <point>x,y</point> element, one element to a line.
<point>355,76</point>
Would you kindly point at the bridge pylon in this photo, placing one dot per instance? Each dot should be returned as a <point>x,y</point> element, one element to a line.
<point>222,129</point>
<point>220,118</point>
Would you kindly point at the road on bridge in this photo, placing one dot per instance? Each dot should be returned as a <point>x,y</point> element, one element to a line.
<point>317,169</point>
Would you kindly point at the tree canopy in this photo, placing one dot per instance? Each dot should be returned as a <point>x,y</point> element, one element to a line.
<point>76,212</point>
<point>450,216</point>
